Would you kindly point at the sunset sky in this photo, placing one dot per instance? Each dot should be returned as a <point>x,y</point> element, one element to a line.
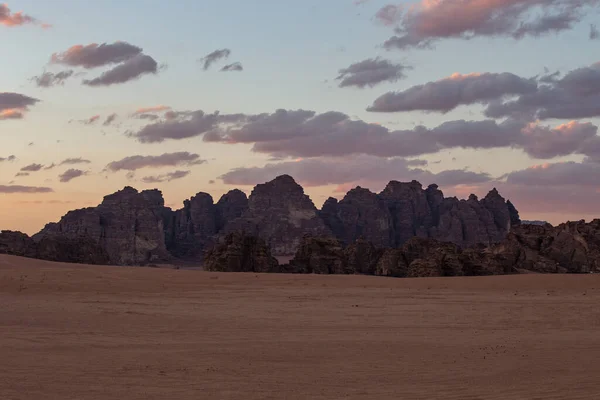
<point>206,95</point>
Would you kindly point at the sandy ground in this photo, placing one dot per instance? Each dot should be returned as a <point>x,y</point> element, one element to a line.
<point>89,332</point>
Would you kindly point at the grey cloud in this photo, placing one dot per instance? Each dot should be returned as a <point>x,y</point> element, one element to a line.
<point>305,134</point>
<point>10,189</point>
<point>371,72</point>
<point>51,166</point>
<point>594,33</point>
<point>198,124</point>
<point>110,119</point>
<point>575,95</point>
<point>15,101</point>
<point>21,174</point>
<point>213,57</point>
<point>236,66</point>
<point>136,162</point>
<point>165,177</point>
<point>94,55</point>
<point>127,71</point>
<point>8,159</point>
<point>73,161</point>
<point>49,79</point>
<point>389,14</point>
<point>32,168</point>
<point>563,174</point>
<point>71,174</point>
<point>358,170</point>
<point>449,93</point>
<point>424,25</point>
<point>151,117</point>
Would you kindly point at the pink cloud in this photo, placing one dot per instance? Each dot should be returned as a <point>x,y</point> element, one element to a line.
<point>12,19</point>
<point>432,20</point>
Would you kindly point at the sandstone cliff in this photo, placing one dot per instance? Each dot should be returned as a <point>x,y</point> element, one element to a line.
<point>136,228</point>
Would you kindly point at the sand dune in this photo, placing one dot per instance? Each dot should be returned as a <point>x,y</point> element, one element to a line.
<point>90,332</point>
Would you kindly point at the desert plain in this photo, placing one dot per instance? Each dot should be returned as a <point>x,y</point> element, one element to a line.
<point>82,332</point>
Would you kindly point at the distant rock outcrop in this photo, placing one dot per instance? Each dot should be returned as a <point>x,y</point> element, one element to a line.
<point>81,250</point>
<point>135,228</point>
<point>127,225</point>
<point>280,213</point>
<point>238,252</point>
<point>404,210</point>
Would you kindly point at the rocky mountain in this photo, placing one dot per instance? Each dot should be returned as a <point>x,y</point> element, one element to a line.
<point>135,228</point>
<point>404,210</point>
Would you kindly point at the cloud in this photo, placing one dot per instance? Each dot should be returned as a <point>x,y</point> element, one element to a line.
<point>558,174</point>
<point>21,174</point>
<point>213,57</point>
<point>49,79</point>
<point>371,72</point>
<point>110,119</point>
<point>95,55</point>
<point>12,19</point>
<point>91,120</point>
<point>136,162</point>
<point>8,159</point>
<point>165,177</point>
<point>11,114</point>
<point>236,66</point>
<point>15,102</point>
<point>32,168</point>
<point>129,70</point>
<point>10,189</point>
<point>153,109</point>
<point>71,174</point>
<point>429,21</point>
<point>51,166</point>
<point>74,161</point>
<point>198,124</point>
<point>575,95</point>
<point>151,117</point>
<point>594,33</point>
<point>356,170</point>
<point>449,93</point>
<point>389,14</point>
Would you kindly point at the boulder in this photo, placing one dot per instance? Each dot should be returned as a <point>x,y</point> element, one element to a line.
<point>319,255</point>
<point>238,252</point>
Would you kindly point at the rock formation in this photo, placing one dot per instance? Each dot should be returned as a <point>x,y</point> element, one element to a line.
<point>81,250</point>
<point>238,252</point>
<point>128,225</point>
<point>280,213</point>
<point>404,210</point>
<point>136,228</point>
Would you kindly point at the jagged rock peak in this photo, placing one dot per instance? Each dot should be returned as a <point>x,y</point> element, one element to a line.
<point>396,186</point>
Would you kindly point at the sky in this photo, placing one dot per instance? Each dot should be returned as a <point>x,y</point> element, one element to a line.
<point>207,96</point>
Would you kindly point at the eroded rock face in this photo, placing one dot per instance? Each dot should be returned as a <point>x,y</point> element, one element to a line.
<point>53,248</point>
<point>411,213</point>
<point>280,213</point>
<point>128,225</point>
<point>360,214</point>
<point>230,206</point>
<point>238,252</point>
<point>16,243</point>
<point>404,210</point>
<point>319,255</point>
<point>194,227</point>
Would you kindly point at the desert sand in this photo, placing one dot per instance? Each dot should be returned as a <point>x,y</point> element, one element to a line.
<point>90,332</point>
